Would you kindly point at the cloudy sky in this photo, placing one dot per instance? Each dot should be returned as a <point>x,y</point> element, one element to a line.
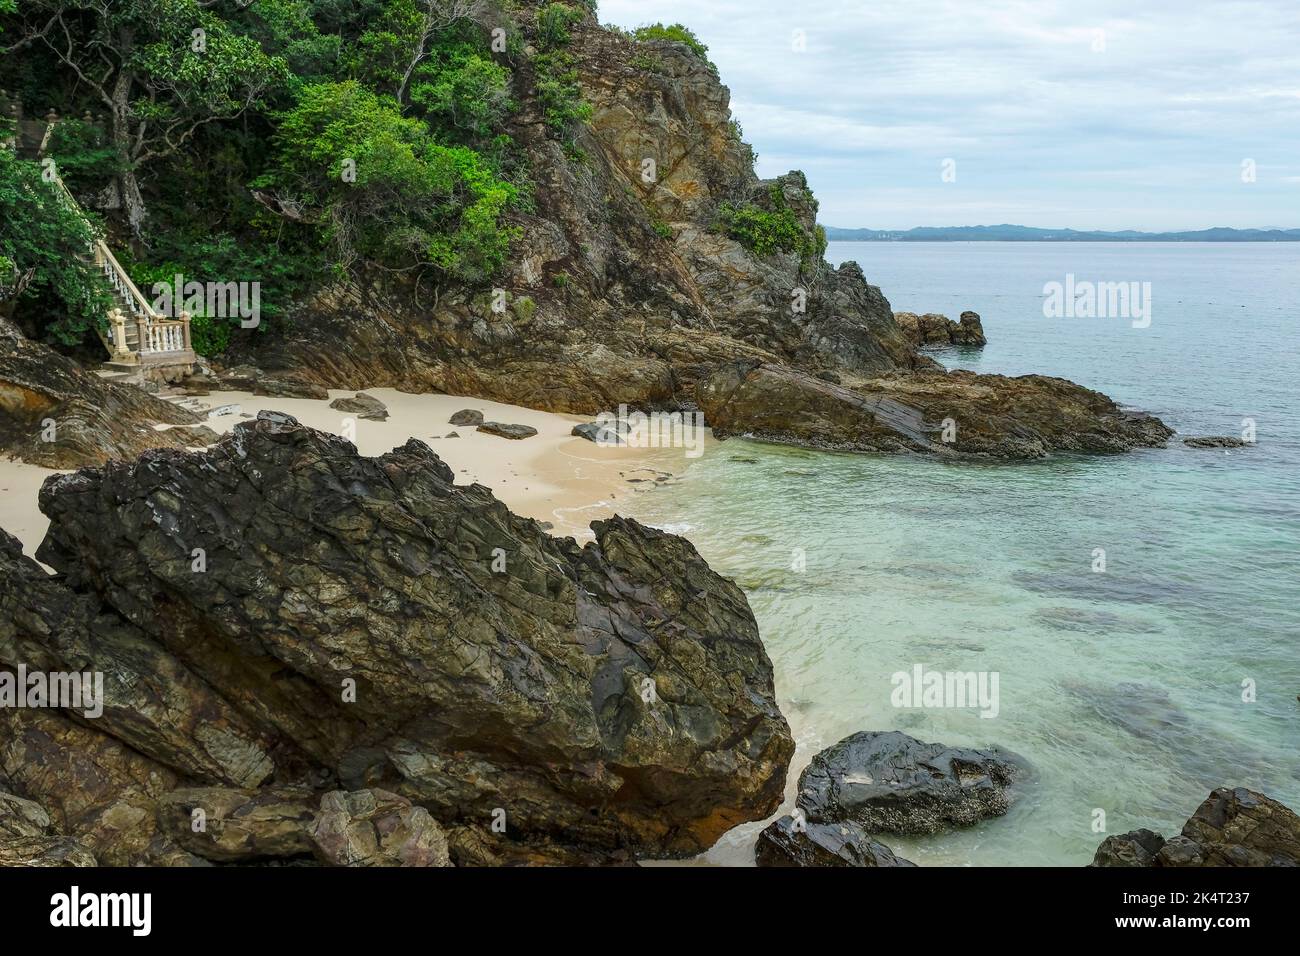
<point>1091,114</point>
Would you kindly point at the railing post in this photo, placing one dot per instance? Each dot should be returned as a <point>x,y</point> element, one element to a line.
<point>120,350</point>
<point>185,331</point>
<point>143,325</point>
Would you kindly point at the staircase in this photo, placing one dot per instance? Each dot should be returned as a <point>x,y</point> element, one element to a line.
<point>141,342</point>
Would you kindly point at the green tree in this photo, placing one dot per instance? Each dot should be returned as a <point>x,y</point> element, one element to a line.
<point>43,251</point>
<point>380,188</point>
<point>161,68</point>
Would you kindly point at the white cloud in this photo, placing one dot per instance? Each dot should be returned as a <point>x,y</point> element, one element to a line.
<point>1040,122</point>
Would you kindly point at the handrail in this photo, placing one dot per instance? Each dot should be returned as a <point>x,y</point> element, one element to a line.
<point>117,274</point>
<point>156,334</point>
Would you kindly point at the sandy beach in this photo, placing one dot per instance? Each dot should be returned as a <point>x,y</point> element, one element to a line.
<point>552,476</point>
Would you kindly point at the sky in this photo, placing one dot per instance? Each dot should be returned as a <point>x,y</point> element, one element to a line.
<point>1089,114</point>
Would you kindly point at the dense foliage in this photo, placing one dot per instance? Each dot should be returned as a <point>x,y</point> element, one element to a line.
<point>284,142</point>
<point>42,245</point>
<point>772,227</point>
<point>677,33</point>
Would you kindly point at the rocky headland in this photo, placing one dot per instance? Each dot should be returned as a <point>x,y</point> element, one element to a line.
<point>625,288</point>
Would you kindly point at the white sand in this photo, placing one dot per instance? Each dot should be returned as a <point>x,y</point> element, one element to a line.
<point>552,476</point>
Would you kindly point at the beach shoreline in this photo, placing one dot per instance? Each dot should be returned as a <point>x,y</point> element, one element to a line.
<point>553,476</point>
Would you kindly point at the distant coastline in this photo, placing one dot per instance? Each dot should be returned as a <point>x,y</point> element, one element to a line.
<point>1009,233</point>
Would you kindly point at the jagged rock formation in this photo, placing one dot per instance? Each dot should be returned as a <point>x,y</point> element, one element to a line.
<point>56,414</point>
<point>890,782</point>
<point>278,617</point>
<point>623,289</point>
<point>950,413</point>
<point>785,843</point>
<point>1233,827</point>
<point>934,329</point>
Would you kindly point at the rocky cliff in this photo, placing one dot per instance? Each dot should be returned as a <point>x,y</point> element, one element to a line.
<point>627,286</point>
<point>279,619</point>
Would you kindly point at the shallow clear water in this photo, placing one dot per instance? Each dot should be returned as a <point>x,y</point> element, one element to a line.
<point>1123,689</point>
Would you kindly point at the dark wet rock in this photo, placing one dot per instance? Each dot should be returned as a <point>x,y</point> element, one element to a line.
<point>56,414</point>
<point>933,329</point>
<point>151,701</point>
<point>1135,848</point>
<point>1233,827</point>
<point>466,416</point>
<point>502,430</point>
<point>783,843</point>
<point>892,783</point>
<point>613,700</point>
<point>363,406</point>
<point>377,828</point>
<point>1215,441</point>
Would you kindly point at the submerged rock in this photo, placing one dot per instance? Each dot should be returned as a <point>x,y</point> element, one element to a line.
<point>1233,827</point>
<point>611,701</point>
<point>514,432</point>
<point>890,782</point>
<point>783,843</point>
<point>1215,441</point>
<point>363,406</point>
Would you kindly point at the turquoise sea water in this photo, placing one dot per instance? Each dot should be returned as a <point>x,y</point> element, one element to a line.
<point>1123,689</point>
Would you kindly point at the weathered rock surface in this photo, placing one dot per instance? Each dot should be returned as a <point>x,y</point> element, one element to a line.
<point>600,434</point>
<point>239,825</point>
<point>466,416</point>
<point>1215,441</point>
<point>377,828</point>
<point>56,414</point>
<point>890,782</point>
<point>503,430</point>
<point>1233,827</point>
<point>363,406</point>
<point>782,843</point>
<point>985,416</point>
<point>613,700</point>
<point>657,301</point>
<point>934,329</point>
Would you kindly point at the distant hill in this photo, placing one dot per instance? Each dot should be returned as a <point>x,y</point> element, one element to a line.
<point>1009,233</point>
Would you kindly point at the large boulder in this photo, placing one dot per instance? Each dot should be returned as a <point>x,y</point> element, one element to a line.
<point>390,629</point>
<point>56,414</point>
<point>791,842</point>
<point>890,782</point>
<point>1233,827</point>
